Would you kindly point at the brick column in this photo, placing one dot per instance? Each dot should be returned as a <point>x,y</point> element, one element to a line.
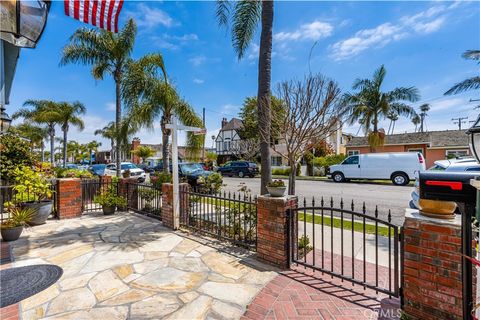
<point>69,198</point>
<point>168,219</point>
<point>127,189</point>
<point>432,268</point>
<point>272,229</point>
<point>105,179</point>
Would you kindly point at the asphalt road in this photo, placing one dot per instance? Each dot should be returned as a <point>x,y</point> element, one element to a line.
<point>386,197</point>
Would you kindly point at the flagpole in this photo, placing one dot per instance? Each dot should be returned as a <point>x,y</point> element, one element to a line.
<point>176,200</point>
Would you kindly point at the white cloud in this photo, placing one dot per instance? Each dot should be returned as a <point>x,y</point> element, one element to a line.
<point>315,30</point>
<point>422,23</point>
<point>111,106</point>
<point>148,17</point>
<point>172,42</point>
<point>198,81</point>
<point>197,60</point>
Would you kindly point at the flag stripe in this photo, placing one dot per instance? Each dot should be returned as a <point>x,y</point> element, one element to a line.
<point>102,13</point>
<point>110,10</point>
<point>76,9</point>
<point>86,10</point>
<point>120,4</point>
<point>94,12</point>
<point>66,5</point>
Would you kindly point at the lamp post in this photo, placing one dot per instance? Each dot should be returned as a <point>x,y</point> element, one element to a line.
<point>5,120</point>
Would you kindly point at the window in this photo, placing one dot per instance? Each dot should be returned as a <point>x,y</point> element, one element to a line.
<point>226,146</point>
<point>477,169</point>
<point>456,153</point>
<point>353,152</point>
<point>351,160</point>
<point>416,150</point>
<point>276,161</point>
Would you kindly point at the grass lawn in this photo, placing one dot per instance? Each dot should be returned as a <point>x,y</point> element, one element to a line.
<point>384,182</point>
<point>347,224</point>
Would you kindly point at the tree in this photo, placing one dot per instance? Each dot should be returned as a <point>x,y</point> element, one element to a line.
<point>249,116</point>
<point>107,53</point>
<point>92,147</point>
<point>312,112</point>
<point>69,114</point>
<point>416,121</point>
<point>73,150</point>
<point>393,117</point>
<point>246,149</point>
<point>150,98</point>
<point>14,152</point>
<point>472,83</point>
<point>108,132</point>
<point>35,134</point>
<point>245,16</point>
<point>144,152</point>
<point>370,104</point>
<point>44,112</point>
<point>423,113</point>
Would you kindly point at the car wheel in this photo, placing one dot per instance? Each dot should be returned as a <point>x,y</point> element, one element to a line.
<point>338,177</point>
<point>400,179</point>
<point>240,174</point>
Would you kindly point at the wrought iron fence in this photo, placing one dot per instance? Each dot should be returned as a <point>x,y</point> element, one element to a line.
<point>225,216</point>
<point>145,199</point>
<point>92,188</point>
<point>350,245</point>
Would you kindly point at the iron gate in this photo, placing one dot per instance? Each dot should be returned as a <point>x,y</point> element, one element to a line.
<point>350,245</point>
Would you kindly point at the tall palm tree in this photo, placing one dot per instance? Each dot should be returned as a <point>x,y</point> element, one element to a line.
<point>423,113</point>
<point>73,149</point>
<point>472,83</point>
<point>416,121</point>
<point>44,112</point>
<point>393,117</point>
<point>108,132</point>
<point>107,53</point>
<point>370,104</point>
<point>93,147</point>
<point>245,16</point>
<point>36,134</point>
<point>70,115</point>
<point>150,98</point>
<point>144,152</point>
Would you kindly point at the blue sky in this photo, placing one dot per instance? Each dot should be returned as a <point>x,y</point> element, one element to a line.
<point>420,44</point>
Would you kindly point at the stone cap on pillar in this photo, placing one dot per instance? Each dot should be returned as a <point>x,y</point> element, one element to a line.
<point>416,215</point>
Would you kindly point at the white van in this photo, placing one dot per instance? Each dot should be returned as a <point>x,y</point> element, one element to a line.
<point>400,167</point>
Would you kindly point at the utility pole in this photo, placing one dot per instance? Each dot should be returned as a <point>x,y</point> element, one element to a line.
<point>203,148</point>
<point>459,121</point>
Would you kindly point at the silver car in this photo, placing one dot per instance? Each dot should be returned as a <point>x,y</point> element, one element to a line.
<point>450,165</point>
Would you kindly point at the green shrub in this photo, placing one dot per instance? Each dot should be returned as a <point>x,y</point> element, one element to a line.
<point>328,160</point>
<point>159,178</point>
<point>31,185</point>
<point>286,171</point>
<point>73,173</point>
<point>14,152</point>
<point>213,183</point>
<point>110,198</point>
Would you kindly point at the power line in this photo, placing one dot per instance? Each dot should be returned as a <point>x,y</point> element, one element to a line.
<point>459,121</point>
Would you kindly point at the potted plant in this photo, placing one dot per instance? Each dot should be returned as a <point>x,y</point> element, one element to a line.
<point>276,188</point>
<point>126,174</point>
<point>33,190</point>
<point>110,200</point>
<point>12,228</point>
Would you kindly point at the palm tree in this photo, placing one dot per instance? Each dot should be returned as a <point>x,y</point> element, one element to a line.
<point>416,121</point>
<point>470,83</point>
<point>370,104</point>
<point>107,53</point>
<point>70,115</point>
<point>108,132</point>
<point>143,152</point>
<point>93,147</point>
<point>73,149</point>
<point>151,99</point>
<point>44,112</point>
<point>393,117</point>
<point>245,16</point>
<point>423,113</point>
<point>36,134</point>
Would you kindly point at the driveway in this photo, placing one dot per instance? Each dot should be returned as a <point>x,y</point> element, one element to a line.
<point>128,266</point>
<point>386,197</point>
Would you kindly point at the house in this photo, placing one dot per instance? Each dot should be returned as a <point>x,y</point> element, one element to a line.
<point>227,138</point>
<point>157,148</point>
<point>103,156</point>
<point>434,145</point>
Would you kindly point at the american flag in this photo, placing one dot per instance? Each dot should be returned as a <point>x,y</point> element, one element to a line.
<point>100,13</point>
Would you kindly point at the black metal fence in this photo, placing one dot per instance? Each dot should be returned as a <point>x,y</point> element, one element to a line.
<point>225,216</point>
<point>145,199</point>
<point>350,245</point>
<point>92,188</point>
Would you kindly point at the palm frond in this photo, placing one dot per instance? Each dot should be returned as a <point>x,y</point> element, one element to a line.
<point>247,14</point>
<point>401,93</point>
<point>223,12</point>
<point>466,85</point>
<point>471,54</point>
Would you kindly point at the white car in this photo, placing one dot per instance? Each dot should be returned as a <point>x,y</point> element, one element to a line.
<point>400,167</point>
<point>451,165</point>
<point>135,172</point>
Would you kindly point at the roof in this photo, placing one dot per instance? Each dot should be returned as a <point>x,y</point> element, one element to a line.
<point>234,124</point>
<point>435,139</point>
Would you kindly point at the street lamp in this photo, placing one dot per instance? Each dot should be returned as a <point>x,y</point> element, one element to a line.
<point>23,21</point>
<point>474,133</point>
<point>5,120</point>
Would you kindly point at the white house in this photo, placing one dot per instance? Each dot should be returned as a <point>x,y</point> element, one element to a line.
<point>228,137</point>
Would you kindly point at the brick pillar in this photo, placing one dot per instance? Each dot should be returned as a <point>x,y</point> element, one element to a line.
<point>127,188</point>
<point>168,219</point>
<point>69,198</point>
<point>135,145</point>
<point>272,229</point>
<point>432,268</point>
<point>105,179</point>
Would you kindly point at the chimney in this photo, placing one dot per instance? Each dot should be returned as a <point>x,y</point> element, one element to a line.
<point>135,144</point>
<point>224,122</point>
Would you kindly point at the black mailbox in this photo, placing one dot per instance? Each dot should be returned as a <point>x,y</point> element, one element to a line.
<point>448,186</point>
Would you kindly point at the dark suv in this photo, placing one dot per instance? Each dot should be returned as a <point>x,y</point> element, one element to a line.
<point>239,168</point>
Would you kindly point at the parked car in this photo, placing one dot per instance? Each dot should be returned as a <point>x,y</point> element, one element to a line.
<point>71,166</point>
<point>111,170</point>
<point>239,168</point>
<point>97,169</point>
<point>399,167</point>
<point>192,171</point>
<point>451,165</point>
<point>145,167</point>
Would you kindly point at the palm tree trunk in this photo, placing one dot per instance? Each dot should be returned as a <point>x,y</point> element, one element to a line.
<point>112,151</point>
<point>264,94</point>
<point>118,119</point>
<point>165,138</point>
<point>42,146</point>
<point>52,145</point>
<point>65,130</point>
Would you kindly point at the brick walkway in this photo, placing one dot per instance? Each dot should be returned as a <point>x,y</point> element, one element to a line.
<point>9,312</point>
<point>302,294</point>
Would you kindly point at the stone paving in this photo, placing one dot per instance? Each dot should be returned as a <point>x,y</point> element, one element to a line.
<point>128,266</point>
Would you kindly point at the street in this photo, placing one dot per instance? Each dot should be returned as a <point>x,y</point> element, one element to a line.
<point>386,197</point>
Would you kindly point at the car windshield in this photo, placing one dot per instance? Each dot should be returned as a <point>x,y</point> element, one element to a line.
<point>437,168</point>
<point>191,167</point>
<point>128,166</point>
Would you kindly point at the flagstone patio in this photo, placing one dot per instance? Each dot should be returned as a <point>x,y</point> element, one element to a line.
<point>130,266</point>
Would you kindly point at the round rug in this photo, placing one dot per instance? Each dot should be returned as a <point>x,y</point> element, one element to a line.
<point>17,284</point>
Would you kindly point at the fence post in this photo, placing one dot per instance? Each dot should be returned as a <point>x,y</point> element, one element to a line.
<point>168,219</point>
<point>129,193</point>
<point>69,198</point>
<point>432,267</point>
<point>273,229</point>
